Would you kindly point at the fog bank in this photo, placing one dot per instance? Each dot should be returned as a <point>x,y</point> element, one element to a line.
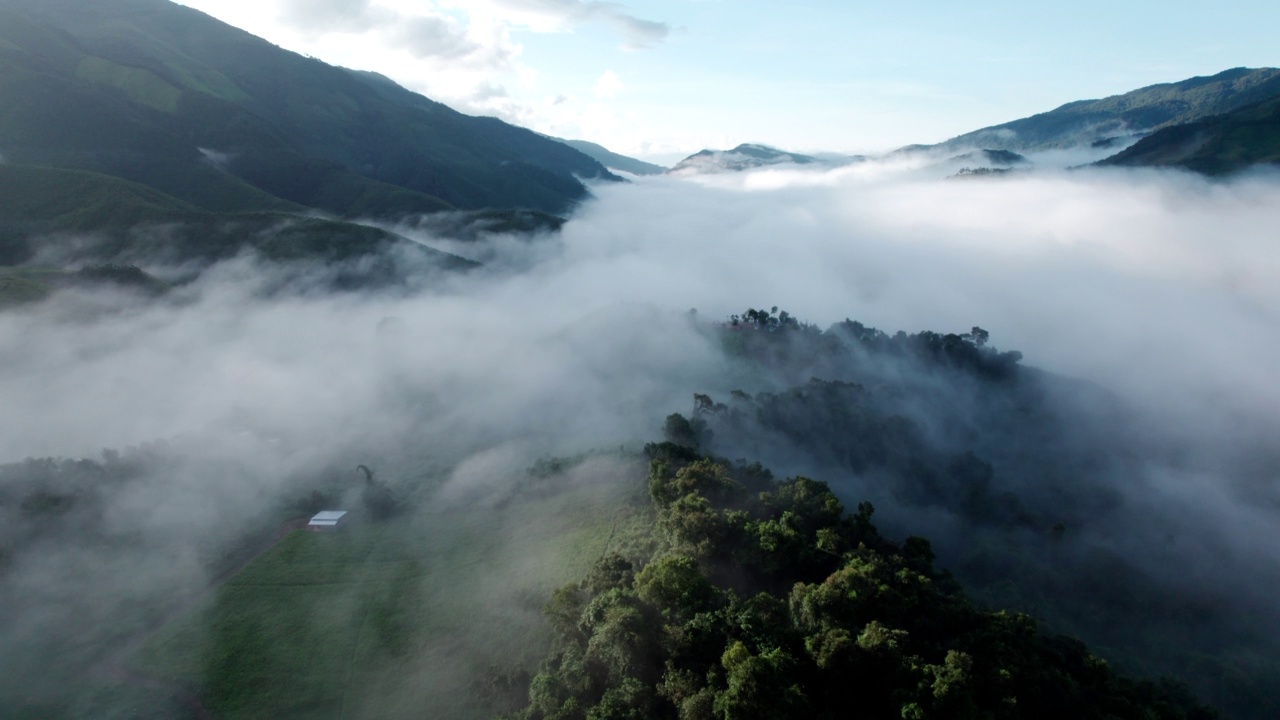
<point>1162,288</point>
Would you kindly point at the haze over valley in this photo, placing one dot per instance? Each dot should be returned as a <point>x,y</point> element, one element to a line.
<point>978,428</point>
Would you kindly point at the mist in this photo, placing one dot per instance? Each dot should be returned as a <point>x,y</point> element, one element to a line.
<point>1160,288</point>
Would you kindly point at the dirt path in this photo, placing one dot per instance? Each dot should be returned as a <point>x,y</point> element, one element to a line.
<point>116,665</point>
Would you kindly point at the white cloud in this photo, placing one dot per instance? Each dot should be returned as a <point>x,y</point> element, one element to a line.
<point>330,15</point>
<point>562,15</point>
<point>435,36</point>
<point>608,85</point>
<point>460,53</point>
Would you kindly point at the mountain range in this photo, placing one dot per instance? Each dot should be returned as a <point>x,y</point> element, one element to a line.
<point>1215,125</point>
<point>212,120</point>
<point>119,114</point>
<point>1121,119</point>
<point>748,156</point>
<point>1241,138</point>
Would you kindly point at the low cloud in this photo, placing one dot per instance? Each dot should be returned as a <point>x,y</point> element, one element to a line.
<point>330,15</point>
<point>1140,281</point>
<point>489,91</point>
<point>1160,287</point>
<point>431,36</point>
<point>637,33</point>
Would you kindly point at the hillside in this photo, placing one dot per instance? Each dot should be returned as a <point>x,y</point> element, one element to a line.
<point>1225,143</point>
<point>71,217</point>
<point>743,157</point>
<point>163,95</point>
<point>613,160</point>
<point>1121,118</point>
<point>411,610</point>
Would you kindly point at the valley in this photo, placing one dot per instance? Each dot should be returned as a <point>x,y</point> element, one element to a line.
<point>1003,447</point>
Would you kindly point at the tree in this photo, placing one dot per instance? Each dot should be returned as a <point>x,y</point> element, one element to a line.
<point>378,499</point>
<point>683,431</point>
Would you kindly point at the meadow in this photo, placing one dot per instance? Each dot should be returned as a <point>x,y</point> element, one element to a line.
<point>386,619</point>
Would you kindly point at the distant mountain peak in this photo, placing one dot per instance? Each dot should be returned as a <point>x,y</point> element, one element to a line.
<point>743,157</point>
<point>1120,119</point>
<point>612,160</point>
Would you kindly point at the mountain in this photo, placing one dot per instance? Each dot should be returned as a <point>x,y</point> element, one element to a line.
<point>980,163</point>
<point>1221,144</point>
<point>163,95</point>
<point>62,217</point>
<point>613,160</point>
<point>991,158</point>
<point>1120,119</point>
<point>743,157</point>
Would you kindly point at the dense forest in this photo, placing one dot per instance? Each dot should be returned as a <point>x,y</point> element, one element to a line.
<point>765,599</point>
<point>1038,491</point>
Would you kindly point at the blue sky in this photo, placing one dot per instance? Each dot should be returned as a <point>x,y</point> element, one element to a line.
<point>666,78</point>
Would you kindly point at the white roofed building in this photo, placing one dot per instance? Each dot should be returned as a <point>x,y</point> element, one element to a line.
<point>328,520</point>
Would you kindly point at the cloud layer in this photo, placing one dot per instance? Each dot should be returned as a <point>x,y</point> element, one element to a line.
<point>1162,288</point>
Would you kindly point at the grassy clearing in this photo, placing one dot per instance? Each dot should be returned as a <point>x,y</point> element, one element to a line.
<point>19,286</point>
<point>140,85</point>
<point>387,620</point>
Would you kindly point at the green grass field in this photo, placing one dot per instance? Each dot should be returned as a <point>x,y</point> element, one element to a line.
<point>398,619</point>
<point>19,286</point>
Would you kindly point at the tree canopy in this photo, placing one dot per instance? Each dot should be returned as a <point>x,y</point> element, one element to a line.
<point>765,599</point>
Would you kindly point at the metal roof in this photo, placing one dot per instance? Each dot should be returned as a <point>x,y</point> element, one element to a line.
<point>328,516</point>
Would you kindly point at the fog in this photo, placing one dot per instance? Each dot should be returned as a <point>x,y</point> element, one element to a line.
<point>1162,288</point>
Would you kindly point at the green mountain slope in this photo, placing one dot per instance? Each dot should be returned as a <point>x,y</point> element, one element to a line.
<point>164,95</point>
<point>613,160</point>
<point>112,220</point>
<point>1086,122</point>
<point>1217,145</point>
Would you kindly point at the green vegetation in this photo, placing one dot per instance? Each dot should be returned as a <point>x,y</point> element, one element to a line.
<point>40,201</point>
<point>1101,121</point>
<point>140,85</point>
<point>24,285</point>
<point>72,216</point>
<point>1029,484</point>
<point>19,286</point>
<point>612,159</point>
<point>473,225</point>
<point>73,595</point>
<point>144,132</point>
<point>163,95</point>
<point>765,600</point>
<point>381,617</point>
<point>1242,138</point>
<point>719,592</point>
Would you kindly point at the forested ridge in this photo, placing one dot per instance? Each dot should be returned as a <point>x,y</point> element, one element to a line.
<point>1035,489</point>
<point>1043,493</point>
<point>765,599</point>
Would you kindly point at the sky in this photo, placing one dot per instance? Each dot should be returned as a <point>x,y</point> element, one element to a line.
<point>662,79</point>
